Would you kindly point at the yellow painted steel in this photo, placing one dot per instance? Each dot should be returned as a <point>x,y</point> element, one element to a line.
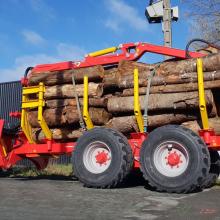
<point>24,120</point>
<point>86,116</point>
<point>41,104</point>
<point>38,103</point>
<point>2,144</point>
<point>103,52</point>
<point>202,101</point>
<point>137,108</point>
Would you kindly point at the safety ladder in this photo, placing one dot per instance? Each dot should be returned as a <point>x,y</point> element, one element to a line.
<point>29,103</point>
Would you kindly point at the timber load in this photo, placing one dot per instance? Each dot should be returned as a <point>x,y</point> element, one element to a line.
<point>173,96</point>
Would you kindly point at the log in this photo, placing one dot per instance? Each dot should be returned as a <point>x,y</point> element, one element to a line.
<point>127,67</point>
<point>196,125</point>
<point>127,81</point>
<point>184,87</point>
<point>128,124</point>
<point>55,117</point>
<point>57,134</point>
<point>210,63</point>
<point>99,116</point>
<point>124,124</point>
<point>67,116</point>
<point>183,100</point>
<point>192,125</point>
<point>94,73</point>
<point>67,91</point>
<point>93,102</point>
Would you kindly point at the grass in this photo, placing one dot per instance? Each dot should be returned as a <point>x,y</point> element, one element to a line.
<point>51,170</point>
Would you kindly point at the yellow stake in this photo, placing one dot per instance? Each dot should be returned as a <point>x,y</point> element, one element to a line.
<point>137,108</point>
<point>86,115</point>
<point>202,102</point>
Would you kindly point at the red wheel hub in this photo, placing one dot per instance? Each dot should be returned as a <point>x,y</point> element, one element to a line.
<point>101,157</point>
<point>173,159</point>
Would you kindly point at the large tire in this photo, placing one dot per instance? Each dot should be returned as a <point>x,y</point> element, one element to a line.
<point>214,170</point>
<point>102,158</point>
<point>174,159</point>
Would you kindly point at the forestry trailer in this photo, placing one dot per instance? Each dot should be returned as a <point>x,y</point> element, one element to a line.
<point>172,158</point>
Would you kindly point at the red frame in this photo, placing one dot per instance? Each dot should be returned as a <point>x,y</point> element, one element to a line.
<point>138,50</point>
<point>19,148</point>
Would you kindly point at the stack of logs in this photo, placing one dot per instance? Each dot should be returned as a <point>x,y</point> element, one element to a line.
<point>173,96</point>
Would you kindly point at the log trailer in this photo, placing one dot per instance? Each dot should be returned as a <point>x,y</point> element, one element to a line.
<point>172,158</point>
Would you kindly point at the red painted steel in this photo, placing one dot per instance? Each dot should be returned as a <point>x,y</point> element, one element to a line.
<point>210,138</point>
<point>1,127</point>
<point>129,51</point>
<point>135,142</point>
<point>173,159</point>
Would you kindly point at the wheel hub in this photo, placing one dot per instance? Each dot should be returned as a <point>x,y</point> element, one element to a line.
<point>97,157</point>
<point>102,157</point>
<point>173,159</point>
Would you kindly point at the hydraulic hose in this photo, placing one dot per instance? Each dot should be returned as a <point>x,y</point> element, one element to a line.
<point>199,40</point>
<point>27,71</point>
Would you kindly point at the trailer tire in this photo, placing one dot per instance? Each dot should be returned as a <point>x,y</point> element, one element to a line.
<point>102,158</point>
<point>214,170</point>
<point>174,159</point>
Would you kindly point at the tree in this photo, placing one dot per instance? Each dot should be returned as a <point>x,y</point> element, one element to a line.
<point>205,15</point>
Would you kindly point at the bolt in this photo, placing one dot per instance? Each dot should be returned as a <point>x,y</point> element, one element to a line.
<point>169,147</point>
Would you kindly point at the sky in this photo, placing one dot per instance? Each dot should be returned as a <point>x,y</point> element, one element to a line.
<point>46,31</point>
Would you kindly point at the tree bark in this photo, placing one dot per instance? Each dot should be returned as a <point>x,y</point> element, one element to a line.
<point>124,124</point>
<point>128,124</point>
<point>57,134</point>
<point>196,125</point>
<point>184,100</point>
<point>62,77</point>
<point>127,81</point>
<point>210,63</point>
<point>67,91</point>
<point>93,102</point>
<point>67,116</point>
<point>184,87</point>
<point>127,68</point>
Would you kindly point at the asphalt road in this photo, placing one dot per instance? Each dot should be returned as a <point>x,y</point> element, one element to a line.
<point>31,199</point>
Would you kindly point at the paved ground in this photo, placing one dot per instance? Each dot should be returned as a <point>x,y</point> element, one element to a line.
<point>25,199</point>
